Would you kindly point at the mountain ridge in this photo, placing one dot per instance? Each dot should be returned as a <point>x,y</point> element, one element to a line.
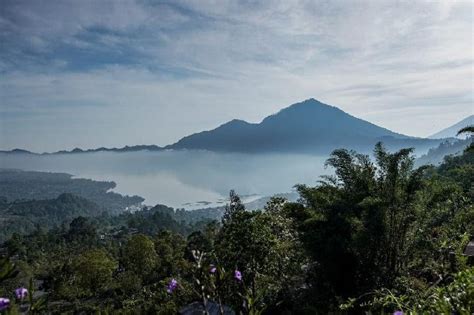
<point>308,126</point>
<point>133,148</point>
<point>451,131</point>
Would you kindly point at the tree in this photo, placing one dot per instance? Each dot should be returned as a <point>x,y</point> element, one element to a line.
<point>354,224</point>
<point>263,248</point>
<point>94,269</point>
<point>170,248</point>
<point>139,256</point>
<point>397,185</point>
<point>234,206</point>
<point>82,229</point>
<point>468,129</point>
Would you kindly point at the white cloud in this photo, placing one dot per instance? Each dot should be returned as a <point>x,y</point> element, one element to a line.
<point>194,64</point>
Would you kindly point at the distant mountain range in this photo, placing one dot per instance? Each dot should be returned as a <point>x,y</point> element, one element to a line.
<point>306,127</point>
<point>451,131</point>
<point>127,148</point>
<point>124,149</point>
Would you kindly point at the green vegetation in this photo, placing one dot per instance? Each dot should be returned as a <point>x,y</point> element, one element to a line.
<point>17,185</point>
<point>378,236</point>
<point>436,155</point>
<point>26,216</point>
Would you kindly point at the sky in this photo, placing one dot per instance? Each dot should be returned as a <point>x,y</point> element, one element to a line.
<point>113,73</point>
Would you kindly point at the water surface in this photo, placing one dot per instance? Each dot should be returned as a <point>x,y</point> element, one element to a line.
<point>182,179</point>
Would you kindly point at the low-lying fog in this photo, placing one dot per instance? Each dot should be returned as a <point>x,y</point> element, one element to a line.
<point>182,179</point>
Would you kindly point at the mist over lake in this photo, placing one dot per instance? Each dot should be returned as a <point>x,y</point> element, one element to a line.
<point>182,179</point>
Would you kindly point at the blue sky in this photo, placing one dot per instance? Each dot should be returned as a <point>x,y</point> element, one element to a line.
<point>111,73</point>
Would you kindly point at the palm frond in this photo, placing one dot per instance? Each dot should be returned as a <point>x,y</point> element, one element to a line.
<point>467,129</point>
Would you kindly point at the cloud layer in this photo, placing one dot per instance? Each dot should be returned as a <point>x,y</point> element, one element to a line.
<point>110,73</point>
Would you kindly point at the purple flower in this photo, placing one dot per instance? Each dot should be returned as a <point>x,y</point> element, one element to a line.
<point>238,275</point>
<point>172,286</point>
<point>213,269</point>
<point>21,293</point>
<point>4,303</point>
<point>398,313</point>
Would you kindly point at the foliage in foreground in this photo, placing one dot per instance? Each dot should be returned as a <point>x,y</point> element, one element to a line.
<point>378,236</point>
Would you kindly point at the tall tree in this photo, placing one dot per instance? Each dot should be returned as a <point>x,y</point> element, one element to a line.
<point>139,256</point>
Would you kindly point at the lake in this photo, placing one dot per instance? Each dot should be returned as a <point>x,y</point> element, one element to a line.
<point>182,179</point>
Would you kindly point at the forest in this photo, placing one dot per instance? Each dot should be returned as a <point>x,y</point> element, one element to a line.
<point>378,237</point>
<point>18,185</point>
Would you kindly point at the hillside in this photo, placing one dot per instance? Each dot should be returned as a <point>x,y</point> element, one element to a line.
<point>26,216</point>
<point>329,249</point>
<point>30,185</point>
<point>436,155</point>
<point>451,131</point>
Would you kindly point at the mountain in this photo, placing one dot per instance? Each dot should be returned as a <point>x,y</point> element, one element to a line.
<point>309,126</point>
<point>17,151</point>
<point>451,131</point>
<point>306,127</point>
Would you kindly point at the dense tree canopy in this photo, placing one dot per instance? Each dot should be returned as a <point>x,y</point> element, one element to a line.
<point>377,236</point>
